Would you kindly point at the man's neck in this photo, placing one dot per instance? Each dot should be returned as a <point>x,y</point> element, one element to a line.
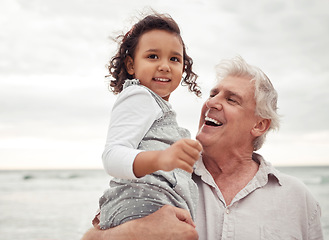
<point>228,162</point>
<point>231,172</point>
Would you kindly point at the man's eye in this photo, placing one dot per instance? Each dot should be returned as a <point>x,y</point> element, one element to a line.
<point>153,56</point>
<point>231,100</point>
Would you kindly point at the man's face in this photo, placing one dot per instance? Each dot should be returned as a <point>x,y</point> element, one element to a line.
<point>228,116</point>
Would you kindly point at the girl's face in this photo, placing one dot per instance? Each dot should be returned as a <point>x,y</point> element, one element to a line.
<point>158,62</point>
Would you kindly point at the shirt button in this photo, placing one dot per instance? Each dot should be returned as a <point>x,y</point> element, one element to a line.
<point>227,211</point>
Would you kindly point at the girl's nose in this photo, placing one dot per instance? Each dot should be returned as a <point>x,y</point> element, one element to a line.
<point>164,67</point>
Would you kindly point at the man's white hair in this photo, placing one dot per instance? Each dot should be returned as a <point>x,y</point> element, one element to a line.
<point>266,96</point>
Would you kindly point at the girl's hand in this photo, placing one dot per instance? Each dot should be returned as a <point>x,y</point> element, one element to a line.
<point>182,154</point>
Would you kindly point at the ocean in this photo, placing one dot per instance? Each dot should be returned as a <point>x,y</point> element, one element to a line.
<point>59,204</point>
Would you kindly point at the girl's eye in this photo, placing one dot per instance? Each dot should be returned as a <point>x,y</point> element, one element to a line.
<point>174,59</point>
<point>153,56</point>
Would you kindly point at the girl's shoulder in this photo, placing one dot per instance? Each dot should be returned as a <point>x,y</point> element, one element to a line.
<point>136,96</point>
<point>134,88</point>
<point>135,91</point>
<point>131,82</point>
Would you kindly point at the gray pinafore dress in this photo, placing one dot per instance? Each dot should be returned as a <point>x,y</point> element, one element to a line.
<point>126,200</point>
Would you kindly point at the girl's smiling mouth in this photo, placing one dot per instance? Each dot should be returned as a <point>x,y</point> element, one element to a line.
<point>162,79</point>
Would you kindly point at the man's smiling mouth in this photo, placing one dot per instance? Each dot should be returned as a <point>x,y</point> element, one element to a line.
<point>212,122</point>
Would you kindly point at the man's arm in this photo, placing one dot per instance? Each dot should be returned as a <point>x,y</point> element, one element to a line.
<point>315,228</point>
<point>167,223</point>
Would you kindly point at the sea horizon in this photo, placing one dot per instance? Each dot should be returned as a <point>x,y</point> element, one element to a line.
<point>60,204</point>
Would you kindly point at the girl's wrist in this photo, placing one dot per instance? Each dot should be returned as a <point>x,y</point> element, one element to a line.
<point>147,162</point>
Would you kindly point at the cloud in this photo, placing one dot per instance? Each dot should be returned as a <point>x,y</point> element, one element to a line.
<point>53,56</point>
<point>53,104</point>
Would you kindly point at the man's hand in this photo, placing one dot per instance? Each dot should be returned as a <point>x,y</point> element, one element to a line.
<point>168,223</point>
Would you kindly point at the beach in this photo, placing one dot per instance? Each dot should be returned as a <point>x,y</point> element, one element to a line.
<point>60,204</point>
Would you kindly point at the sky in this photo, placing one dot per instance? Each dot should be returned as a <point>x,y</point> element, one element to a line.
<point>55,105</point>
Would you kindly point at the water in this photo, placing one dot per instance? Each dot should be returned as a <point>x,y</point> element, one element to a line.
<point>59,204</point>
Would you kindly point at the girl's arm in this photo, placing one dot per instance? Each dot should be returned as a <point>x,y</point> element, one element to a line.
<point>182,154</point>
<point>132,115</point>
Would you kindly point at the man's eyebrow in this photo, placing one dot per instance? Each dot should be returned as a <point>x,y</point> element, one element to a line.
<point>227,93</point>
<point>234,94</point>
<point>214,90</point>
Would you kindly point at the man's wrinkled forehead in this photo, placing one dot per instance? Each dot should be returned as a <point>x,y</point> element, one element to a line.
<point>241,87</point>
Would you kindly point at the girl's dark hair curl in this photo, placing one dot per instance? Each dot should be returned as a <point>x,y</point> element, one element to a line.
<point>127,47</point>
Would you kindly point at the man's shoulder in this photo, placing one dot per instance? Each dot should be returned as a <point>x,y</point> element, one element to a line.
<point>296,187</point>
<point>291,181</point>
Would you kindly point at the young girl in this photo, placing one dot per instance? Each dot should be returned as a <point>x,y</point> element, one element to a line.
<point>147,153</point>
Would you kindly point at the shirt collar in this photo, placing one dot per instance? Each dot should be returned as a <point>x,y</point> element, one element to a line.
<point>201,171</point>
<point>265,172</point>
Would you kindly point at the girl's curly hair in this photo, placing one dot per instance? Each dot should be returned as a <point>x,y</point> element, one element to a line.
<point>128,44</point>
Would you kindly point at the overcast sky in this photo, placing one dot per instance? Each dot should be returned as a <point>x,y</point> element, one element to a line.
<point>55,106</point>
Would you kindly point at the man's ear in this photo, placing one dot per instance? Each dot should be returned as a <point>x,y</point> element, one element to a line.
<point>261,127</point>
<point>129,62</point>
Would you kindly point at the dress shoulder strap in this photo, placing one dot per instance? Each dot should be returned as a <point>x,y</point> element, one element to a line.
<point>161,102</point>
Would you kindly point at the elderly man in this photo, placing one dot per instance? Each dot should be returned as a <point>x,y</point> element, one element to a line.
<point>241,196</point>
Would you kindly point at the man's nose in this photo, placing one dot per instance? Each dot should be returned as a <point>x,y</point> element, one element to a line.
<point>214,102</point>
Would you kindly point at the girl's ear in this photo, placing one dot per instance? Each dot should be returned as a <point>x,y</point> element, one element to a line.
<point>129,62</point>
<point>261,127</point>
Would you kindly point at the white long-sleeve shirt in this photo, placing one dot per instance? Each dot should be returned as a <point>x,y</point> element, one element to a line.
<point>132,115</point>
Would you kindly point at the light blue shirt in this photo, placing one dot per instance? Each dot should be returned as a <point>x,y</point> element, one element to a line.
<point>273,205</point>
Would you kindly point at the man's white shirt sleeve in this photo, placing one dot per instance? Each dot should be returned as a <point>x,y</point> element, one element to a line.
<point>132,116</point>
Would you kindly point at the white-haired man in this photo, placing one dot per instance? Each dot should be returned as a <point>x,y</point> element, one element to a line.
<point>241,196</point>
